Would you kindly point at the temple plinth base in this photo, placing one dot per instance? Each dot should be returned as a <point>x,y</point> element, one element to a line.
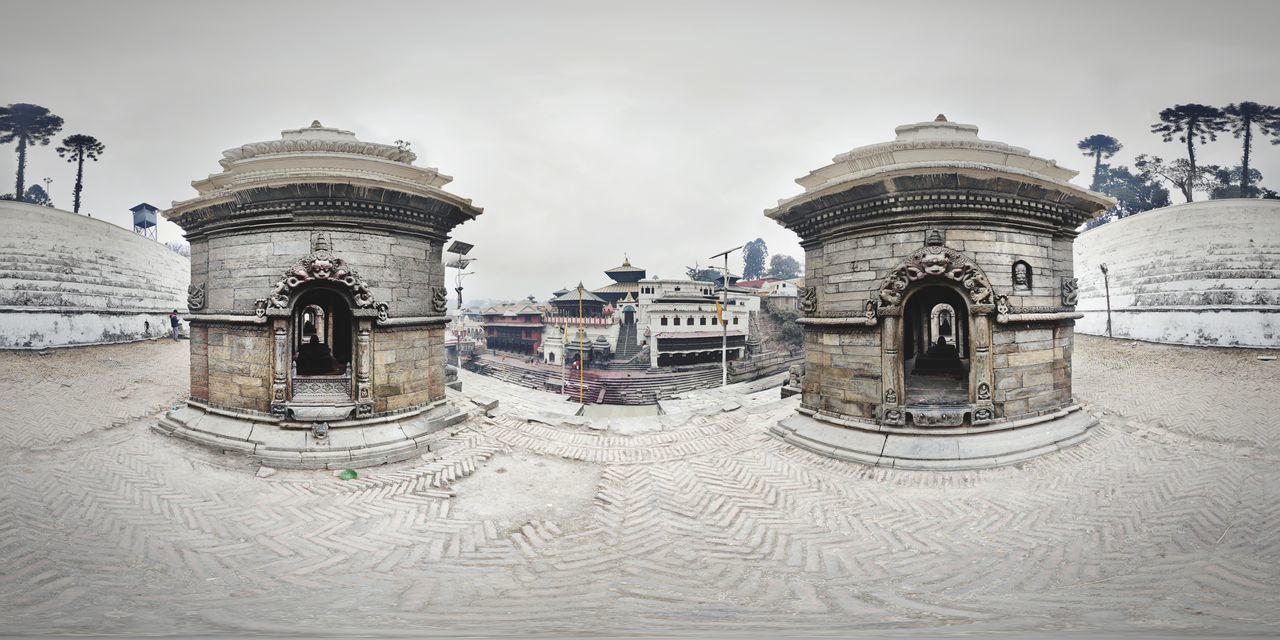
<point>991,445</point>
<point>295,446</point>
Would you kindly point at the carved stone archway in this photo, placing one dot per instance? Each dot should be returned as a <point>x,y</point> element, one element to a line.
<point>938,261</point>
<point>936,264</point>
<point>321,265</point>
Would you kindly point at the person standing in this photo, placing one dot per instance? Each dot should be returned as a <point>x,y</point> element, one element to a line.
<point>174,323</point>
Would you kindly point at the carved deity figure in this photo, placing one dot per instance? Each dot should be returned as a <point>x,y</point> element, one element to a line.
<point>195,297</point>
<point>1070,291</point>
<point>439,299</point>
<point>1021,275</point>
<point>808,300</point>
<point>795,376</point>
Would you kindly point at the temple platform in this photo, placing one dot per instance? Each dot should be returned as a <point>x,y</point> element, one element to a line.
<point>992,445</point>
<point>350,444</point>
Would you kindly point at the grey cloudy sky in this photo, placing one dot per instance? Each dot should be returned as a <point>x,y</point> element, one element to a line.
<point>590,129</point>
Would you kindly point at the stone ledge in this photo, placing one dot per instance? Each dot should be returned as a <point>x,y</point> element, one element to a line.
<point>277,447</point>
<point>940,450</point>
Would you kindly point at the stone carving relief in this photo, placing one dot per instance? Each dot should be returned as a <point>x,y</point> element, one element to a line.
<point>936,261</point>
<point>938,417</point>
<point>1021,276</point>
<point>1002,305</point>
<point>319,265</point>
<point>195,297</point>
<point>891,396</point>
<point>439,299</point>
<point>809,300</point>
<point>1070,291</point>
<point>795,376</point>
<point>982,414</point>
<point>870,309</point>
<point>984,391</point>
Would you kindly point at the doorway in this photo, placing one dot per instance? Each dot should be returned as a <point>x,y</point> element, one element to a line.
<point>322,336</point>
<point>935,336</point>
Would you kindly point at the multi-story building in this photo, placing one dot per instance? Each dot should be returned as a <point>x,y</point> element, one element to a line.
<point>683,323</point>
<point>515,328</point>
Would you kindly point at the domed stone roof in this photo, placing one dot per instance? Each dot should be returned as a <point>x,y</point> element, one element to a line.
<point>321,155</point>
<point>934,147</point>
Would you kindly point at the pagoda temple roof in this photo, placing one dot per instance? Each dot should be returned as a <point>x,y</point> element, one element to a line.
<point>572,296</point>
<point>625,272</point>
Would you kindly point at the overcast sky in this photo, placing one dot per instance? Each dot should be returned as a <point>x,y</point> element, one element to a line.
<point>590,129</point>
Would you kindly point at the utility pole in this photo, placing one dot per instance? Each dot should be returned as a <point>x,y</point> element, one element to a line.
<point>582,364</point>
<point>724,321</point>
<point>1106,284</point>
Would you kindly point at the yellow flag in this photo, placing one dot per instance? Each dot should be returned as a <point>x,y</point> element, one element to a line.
<point>719,313</point>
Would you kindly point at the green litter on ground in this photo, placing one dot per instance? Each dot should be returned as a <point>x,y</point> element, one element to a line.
<point>348,474</point>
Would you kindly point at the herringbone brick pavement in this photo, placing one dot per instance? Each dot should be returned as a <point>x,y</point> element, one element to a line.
<point>1159,522</point>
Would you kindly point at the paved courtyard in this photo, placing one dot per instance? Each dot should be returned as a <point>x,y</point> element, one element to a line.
<point>1166,519</point>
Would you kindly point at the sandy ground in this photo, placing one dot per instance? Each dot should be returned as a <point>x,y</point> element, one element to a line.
<point>1164,521</point>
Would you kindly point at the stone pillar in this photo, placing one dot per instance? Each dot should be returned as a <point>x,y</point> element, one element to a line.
<point>891,391</point>
<point>279,366</point>
<point>364,367</point>
<point>980,369</point>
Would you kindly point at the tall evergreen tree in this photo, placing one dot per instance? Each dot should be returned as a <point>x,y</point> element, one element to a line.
<point>29,124</point>
<point>75,148</point>
<point>1099,146</point>
<point>1190,123</point>
<point>1241,120</point>
<point>754,255</point>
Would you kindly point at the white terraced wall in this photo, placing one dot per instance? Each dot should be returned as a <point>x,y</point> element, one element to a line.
<point>67,279</point>
<point>1202,273</point>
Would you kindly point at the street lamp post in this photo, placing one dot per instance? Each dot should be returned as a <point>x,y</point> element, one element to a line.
<point>724,321</point>
<point>1106,284</point>
<point>461,249</point>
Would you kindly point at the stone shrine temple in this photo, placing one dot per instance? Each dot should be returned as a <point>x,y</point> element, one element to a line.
<point>939,302</point>
<point>317,301</point>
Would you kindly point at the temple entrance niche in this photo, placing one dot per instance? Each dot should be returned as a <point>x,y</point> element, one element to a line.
<point>322,330</point>
<point>935,346</point>
<point>629,315</point>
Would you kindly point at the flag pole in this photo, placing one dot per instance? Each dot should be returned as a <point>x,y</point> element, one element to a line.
<point>582,365</point>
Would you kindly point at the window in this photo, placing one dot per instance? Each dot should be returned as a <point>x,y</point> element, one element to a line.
<point>735,319</point>
<point>677,288</point>
<point>691,321</point>
<point>704,321</point>
<point>664,321</point>
<point>677,319</point>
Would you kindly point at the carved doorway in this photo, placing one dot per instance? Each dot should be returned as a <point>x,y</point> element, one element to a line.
<point>936,347</point>
<point>322,335</point>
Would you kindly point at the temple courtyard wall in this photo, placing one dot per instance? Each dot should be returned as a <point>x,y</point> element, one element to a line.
<point>1201,273</point>
<point>69,280</point>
